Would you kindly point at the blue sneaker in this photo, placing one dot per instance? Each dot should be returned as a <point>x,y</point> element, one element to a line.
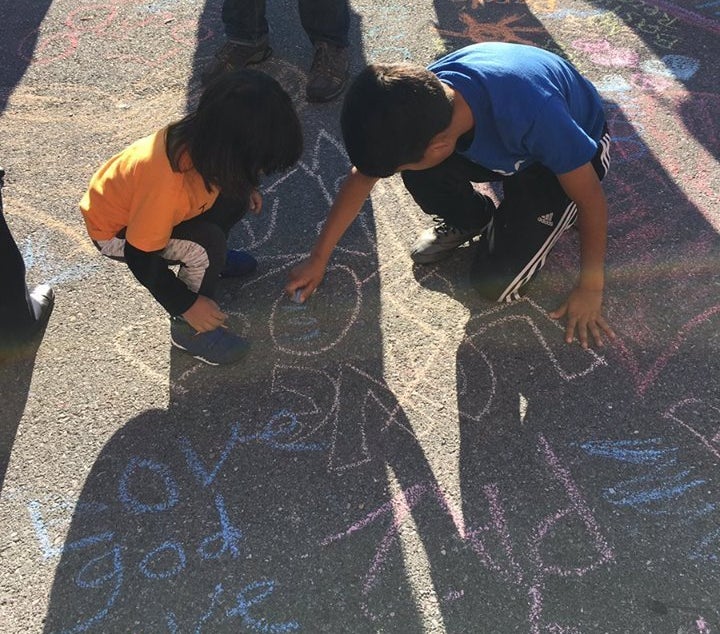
<point>238,264</point>
<point>216,347</point>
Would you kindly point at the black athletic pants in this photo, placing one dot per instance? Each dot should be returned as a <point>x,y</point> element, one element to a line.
<point>534,212</point>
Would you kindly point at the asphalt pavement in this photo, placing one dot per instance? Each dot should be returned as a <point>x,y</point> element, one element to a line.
<point>396,455</point>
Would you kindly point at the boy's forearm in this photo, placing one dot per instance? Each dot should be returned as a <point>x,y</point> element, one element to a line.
<point>592,223</point>
<point>346,207</point>
<point>583,187</point>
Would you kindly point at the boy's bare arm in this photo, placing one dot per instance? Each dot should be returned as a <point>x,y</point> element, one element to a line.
<point>583,308</point>
<point>307,275</point>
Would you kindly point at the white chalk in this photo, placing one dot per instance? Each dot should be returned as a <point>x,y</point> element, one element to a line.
<point>297,296</point>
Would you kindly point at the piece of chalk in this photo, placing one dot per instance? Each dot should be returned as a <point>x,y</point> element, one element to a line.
<point>297,296</point>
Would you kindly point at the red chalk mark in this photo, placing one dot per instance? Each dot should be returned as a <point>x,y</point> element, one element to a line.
<point>102,21</point>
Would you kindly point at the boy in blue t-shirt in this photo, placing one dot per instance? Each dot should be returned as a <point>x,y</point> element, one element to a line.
<point>488,112</point>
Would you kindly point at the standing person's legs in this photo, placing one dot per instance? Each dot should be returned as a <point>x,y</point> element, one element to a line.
<point>247,42</point>
<point>534,213</point>
<point>446,192</point>
<point>244,21</point>
<point>22,313</point>
<point>327,23</point>
<point>15,309</point>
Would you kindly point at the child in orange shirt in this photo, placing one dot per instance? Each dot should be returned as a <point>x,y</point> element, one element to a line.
<point>172,198</point>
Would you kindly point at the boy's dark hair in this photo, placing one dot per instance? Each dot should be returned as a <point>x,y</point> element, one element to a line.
<point>244,126</point>
<point>390,114</point>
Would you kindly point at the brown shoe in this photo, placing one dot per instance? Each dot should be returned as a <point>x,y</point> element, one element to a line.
<point>233,56</point>
<point>328,72</point>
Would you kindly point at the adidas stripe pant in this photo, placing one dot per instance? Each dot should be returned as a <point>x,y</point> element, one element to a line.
<point>533,214</point>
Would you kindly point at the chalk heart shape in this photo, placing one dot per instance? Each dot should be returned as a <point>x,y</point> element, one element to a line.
<point>321,323</point>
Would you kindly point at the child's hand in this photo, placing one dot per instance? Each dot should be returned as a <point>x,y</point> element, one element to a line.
<point>583,309</point>
<point>204,315</point>
<point>305,277</point>
<point>256,202</point>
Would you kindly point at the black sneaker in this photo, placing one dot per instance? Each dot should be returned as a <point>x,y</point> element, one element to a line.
<point>216,347</point>
<point>438,242</point>
<point>233,56</point>
<point>328,72</point>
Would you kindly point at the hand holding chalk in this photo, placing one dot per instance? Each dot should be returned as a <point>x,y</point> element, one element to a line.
<point>297,296</point>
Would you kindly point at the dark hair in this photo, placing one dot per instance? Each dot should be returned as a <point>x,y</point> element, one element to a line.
<point>390,114</point>
<point>244,126</point>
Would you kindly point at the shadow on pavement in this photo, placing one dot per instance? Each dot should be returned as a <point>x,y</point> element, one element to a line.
<point>16,370</point>
<point>270,495</point>
<point>278,495</point>
<point>18,35</point>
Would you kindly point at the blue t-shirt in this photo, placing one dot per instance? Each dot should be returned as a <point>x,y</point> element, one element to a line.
<point>529,105</point>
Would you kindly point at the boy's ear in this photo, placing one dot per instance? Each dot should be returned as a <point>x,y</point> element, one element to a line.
<point>441,141</point>
<point>439,144</point>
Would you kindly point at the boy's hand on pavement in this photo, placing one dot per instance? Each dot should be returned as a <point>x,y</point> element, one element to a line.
<point>583,310</point>
<point>305,277</point>
<point>204,315</point>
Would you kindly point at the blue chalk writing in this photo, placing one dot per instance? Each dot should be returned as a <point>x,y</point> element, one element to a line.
<point>707,549</point>
<point>214,600</point>
<point>149,564</point>
<point>275,434</point>
<point>228,536</point>
<point>303,321</point>
<point>282,425</point>
<point>131,503</point>
<point>621,496</point>
<point>43,534</point>
<point>253,594</point>
<point>633,451</point>
<point>171,623</point>
<point>664,483</point>
<point>83,580</point>
<point>195,464</point>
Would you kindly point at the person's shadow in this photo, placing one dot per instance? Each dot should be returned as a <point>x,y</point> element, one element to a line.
<point>268,496</point>
<point>16,370</point>
<point>559,448</point>
<point>18,36</point>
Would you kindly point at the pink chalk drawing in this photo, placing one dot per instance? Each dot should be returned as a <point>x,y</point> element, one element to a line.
<point>601,52</point>
<point>645,378</point>
<point>704,426</point>
<point>515,561</point>
<point>105,21</point>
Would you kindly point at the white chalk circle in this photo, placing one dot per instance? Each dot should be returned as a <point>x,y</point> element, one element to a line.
<point>321,322</point>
